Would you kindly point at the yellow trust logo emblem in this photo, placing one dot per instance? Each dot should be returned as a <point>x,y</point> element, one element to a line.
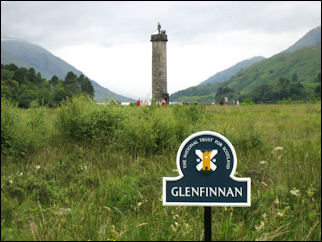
<point>206,161</point>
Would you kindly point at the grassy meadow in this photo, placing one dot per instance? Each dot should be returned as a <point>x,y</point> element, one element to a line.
<point>92,172</point>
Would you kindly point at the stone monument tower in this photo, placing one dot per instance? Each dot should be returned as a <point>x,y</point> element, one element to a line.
<point>159,66</point>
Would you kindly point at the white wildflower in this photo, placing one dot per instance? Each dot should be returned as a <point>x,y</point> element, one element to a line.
<point>310,192</point>
<point>187,226</point>
<point>286,209</point>
<point>264,183</point>
<point>176,216</point>
<point>174,228</point>
<point>139,204</point>
<point>10,181</point>
<point>142,224</point>
<point>83,167</point>
<point>262,162</point>
<point>37,167</point>
<point>277,201</point>
<point>107,208</point>
<point>64,211</point>
<point>277,148</point>
<point>260,227</point>
<point>295,192</point>
<point>280,214</point>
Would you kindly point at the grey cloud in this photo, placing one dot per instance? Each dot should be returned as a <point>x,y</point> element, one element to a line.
<point>57,24</point>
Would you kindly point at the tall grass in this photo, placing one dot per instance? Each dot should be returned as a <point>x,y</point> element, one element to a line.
<point>22,131</point>
<point>95,172</point>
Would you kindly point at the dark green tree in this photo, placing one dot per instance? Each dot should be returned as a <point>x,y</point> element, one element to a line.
<point>223,92</point>
<point>54,81</point>
<point>71,83</point>
<point>31,75</point>
<point>45,95</point>
<point>263,93</point>
<point>24,86</point>
<point>296,91</point>
<point>317,91</point>
<point>294,78</point>
<point>86,85</point>
<point>11,67</point>
<point>39,80</point>
<point>9,87</point>
<point>318,77</point>
<point>21,76</point>
<point>27,96</point>
<point>59,94</point>
<point>284,81</point>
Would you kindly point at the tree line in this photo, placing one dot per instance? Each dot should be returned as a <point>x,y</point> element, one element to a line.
<point>25,86</point>
<point>291,89</point>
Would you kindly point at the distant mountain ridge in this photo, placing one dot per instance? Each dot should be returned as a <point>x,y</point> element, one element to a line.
<point>303,59</point>
<point>25,54</point>
<point>311,38</point>
<point>206,87</point>
<point>229,72</point>
<point>305,63</point>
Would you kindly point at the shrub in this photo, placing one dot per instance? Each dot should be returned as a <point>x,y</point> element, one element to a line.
<point>153,130</point>
<point>22,132</point>
<point>81,120</point>
<point>191,113</point>
<point>247,101</point>
<point>136,136</point>
<point>9,118</point>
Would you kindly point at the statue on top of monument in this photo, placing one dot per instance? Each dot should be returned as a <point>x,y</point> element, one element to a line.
<point>159,27</point>
<point>160,30</point>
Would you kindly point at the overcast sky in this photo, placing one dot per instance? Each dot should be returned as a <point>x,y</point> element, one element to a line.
<point>110,41</point>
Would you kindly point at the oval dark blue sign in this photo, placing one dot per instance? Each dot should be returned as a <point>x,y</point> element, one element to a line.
<point>206,162</point>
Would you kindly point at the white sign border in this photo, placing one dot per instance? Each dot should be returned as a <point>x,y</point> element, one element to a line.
<point>207,204</point>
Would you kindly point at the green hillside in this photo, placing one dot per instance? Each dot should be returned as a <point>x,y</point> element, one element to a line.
<point>195,93</point>
<point>229,72</point>
<point>28,55</point>
<point>311,38</point>
<point>302,66</point>
<point>305,63</point>
<point>25,54</point>
<point>298,67</point>
<point>208,87</point>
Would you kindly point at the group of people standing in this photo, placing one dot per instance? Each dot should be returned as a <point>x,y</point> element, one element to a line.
<point>163,102</point>
<point>139,103</point>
